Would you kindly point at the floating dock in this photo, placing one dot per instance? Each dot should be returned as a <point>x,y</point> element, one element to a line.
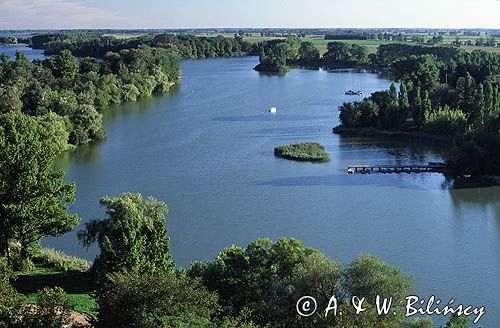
<point>373,168</point>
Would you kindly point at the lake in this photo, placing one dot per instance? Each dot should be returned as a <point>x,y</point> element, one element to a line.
<point>31,54</point>
<point>206,149</point>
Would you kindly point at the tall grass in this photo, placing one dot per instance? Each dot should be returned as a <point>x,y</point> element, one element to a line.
<point>60,261</point>
<point>306,151</point>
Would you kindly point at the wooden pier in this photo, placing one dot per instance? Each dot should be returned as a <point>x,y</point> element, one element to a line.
<point>372,168</point>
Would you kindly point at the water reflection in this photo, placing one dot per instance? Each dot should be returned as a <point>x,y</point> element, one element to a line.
<point>84,154</point>
<point>141,105</point>
<point>344,180</point>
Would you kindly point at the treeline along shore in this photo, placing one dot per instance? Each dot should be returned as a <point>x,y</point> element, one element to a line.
<point>444,92</point>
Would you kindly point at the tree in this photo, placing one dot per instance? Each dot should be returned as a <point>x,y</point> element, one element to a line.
<point>243,276</point>
<point>10,99</point>
<point>337,52</point>
<point>65,67</point>
<point>420,323</point>
<point>265,280</point>
<point>87,125</point>
<point>350,114</point>
<point>33,197</point>
<point>422,70</point>
<point>368,277</point>
<point>308,53</point>
<point>132,238</point>
<point>359,53</point>
<point>55,128</point>
<point>315,275</point>
<point>404,101</point>
<point>427,104</point>
<point>416,108</point>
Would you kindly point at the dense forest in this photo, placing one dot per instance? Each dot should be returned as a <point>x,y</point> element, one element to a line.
<point>278,55</point>
<point>70,95</point>
<point>445,92</point>
<point>88,44</point>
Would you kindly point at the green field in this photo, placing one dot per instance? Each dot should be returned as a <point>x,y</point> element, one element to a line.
<point>84,303</point>
<point>372,45</point>
<point>321,43</point>
<point>124,36</point>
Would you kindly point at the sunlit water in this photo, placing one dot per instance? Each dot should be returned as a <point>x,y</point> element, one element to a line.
<point>206,149</point>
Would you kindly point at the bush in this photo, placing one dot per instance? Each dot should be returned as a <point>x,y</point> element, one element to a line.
<point>313,152</point>
<point>137,300</point>
<point>53,310</point>
<point>10,300</point>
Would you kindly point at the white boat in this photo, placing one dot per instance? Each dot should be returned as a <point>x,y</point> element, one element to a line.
<point>273,110</point>
<point>354,92</point>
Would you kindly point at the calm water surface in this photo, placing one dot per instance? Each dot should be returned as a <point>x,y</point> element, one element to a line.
<point>206,149</point>
<point>31,54</point>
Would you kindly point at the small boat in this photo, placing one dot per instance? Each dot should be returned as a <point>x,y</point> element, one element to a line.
<point>350,170</point>
<point>354,93</point>
<point>273,110</point>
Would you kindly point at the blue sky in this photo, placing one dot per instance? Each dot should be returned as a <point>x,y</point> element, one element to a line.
<point>43,14</point>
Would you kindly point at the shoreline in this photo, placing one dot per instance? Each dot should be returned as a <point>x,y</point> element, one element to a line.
<point>374,132</point>
<point>409,136</point>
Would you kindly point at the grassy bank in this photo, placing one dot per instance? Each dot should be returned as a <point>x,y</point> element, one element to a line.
<point>51,269</point>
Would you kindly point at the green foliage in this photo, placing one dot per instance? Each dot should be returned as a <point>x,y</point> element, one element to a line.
<point>361,114</point>
<point>10,300</point>
<point>368,277</point>
<point>69,93</point>
<point>130,92</point>
<point>55,128</point>
<point>308,54</point>
<point>420,323</point>
<point>187,46</point>
<point>244,278</point>
<point>275,55</point>
<point>144,300</point>
<point>60,261</point>
<point>266,279</point>
<point>87,125</point>
<point>341,54</point>
<point>306,151</point>
<point>458,322</point>
<point>33,196</point>
<point>132,238</point>
<point>466,109</point>
<point>445,121</point>
<point>52,310</point>
<point>421,70</point>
